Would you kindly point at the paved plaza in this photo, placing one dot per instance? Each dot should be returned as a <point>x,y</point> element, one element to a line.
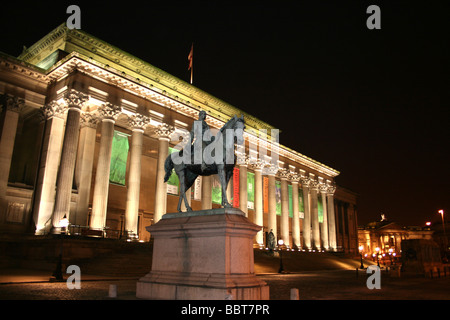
<point>321,285</point>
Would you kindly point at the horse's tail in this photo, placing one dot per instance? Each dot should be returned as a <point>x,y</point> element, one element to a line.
<point>168,166</point>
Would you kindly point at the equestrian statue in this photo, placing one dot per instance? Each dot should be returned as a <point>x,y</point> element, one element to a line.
<point>205,155</point>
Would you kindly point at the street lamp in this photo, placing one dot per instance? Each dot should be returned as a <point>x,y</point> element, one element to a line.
<point>377,249</point>
<point>361,248</point>
<point>280,243</point>
<point>443,227</point>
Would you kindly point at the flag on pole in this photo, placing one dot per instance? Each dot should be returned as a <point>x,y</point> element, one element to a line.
<point>191,59</point>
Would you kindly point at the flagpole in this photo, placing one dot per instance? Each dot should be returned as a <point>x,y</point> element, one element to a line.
<point>191,62</point>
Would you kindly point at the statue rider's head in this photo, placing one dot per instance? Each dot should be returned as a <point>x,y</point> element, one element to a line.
<point>202,115</point>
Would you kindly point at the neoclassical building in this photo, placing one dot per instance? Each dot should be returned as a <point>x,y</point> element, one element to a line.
<point>85,130</point>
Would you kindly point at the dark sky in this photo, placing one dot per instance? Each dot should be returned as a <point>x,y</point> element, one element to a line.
<point>372,104</point>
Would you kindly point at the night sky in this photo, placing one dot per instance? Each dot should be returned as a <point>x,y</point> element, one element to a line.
<point>373,104</point>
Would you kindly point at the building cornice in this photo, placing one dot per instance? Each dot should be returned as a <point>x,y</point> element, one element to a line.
<point>93,56</point>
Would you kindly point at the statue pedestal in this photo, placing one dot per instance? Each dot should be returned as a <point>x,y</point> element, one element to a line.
<point>203,255</point>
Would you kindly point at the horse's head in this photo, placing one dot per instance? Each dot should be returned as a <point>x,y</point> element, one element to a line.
<point>239,126</point>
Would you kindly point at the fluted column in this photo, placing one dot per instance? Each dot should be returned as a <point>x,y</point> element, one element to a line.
<point>108,113</point>
<point>138,123</point>
<point>243,162</point>
<point>272,216</point>
<point>48,167</point>
<point>206,192</point>
<point>257,167</point>
<point>324,230</point>
<point>75,100</point>
<point>83,169</point>
<point>307,219</point>
<point>284,223</point>
<point>12,106</point>
<point>331,219</point>
<point>294,178</point>
<point>314,188</point>
<point>164,131</point>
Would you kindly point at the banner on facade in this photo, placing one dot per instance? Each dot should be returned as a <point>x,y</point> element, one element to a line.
<point>291,205</point>
<point>196,192</point>
<point>173,183</point>
<point>320,208</point>
<point>216,193</point>
<point>250,190</point>
<point>301,206</point>
<point>278,197</point>
<point>235,188</point>
<point>119,157</point>
<point>266,194</point>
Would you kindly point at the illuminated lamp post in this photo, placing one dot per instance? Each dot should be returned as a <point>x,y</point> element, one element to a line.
<point>280,243</point>
<point>443,227</point>
<point>361,248</point>
<point>391,251</point>
<point>377,249</point>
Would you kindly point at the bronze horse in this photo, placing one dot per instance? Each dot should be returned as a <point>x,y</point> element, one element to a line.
<point>222,146</point>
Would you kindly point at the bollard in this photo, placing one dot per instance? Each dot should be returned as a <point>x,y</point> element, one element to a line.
<point>112,291</point>
<point>295,294</point>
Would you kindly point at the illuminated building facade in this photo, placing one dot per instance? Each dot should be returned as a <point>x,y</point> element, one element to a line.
<point>86,128</point>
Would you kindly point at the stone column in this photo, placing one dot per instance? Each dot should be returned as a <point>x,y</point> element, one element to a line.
<point>294,178</point>
<point>284,223</point>
<point>83,169</point>
<point>243,162</point>
<point>48,167</point>
<point>163,131</point>
<point>12,106</point>
<point>331,219</point>
<point>75,100</point>
<point>272,221</point>
<point>259,204</point>
<point>307,220</point>
<point>206,192</point>
<point>138,123</point>
<point>324,229</point>
<point>108,113</point>
<point>315,215</point>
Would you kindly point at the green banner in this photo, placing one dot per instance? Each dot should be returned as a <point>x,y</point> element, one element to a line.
<point>291,205</point>
<point>278,197</point>
<point>173,183</point>
<point>320,208</point>
<point>250,190</point>
<point>301,206</point>
<point>119,156</point>
<point>216,193</point>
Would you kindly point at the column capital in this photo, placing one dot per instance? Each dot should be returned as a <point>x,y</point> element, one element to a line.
<point>242,158</point>
<point>12,103</point>
<point>164,131</point>
<point>256,164</point>
<point>283,173</point>
<point>54,109</point>
<point>331,190</point>
<point>88,120</point>
<point>323,187</point>
<point>306,182</point>
<point>75,99</point>
<point>138,121</point>
<point>109,111</point>
<point>293,177</point>
<point>271,169</point>
<point>314,185</point>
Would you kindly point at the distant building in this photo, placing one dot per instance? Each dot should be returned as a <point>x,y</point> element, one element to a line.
<point>387,236</point>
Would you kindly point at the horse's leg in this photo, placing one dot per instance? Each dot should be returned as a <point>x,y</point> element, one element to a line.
<point>223,183</point>
<point>182,189</point>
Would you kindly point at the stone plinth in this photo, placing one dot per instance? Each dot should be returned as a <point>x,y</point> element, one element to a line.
<point>203,255</point>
